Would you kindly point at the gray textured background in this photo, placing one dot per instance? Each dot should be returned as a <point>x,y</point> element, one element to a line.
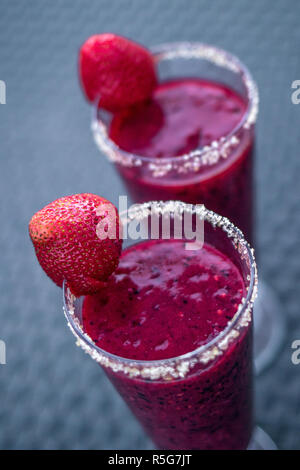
<point>51,394</point>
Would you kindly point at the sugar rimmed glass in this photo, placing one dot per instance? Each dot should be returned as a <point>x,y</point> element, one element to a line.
<point>218,175</point>
<point>202,399</point>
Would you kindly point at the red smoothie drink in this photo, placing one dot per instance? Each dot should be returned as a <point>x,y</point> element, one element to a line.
<point>193,140</point>
<point>164,301</point>
<point>182,116</point>
<point>172,327</point>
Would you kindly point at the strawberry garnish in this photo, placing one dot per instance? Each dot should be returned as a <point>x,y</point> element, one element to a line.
<point>118,71</point>
<point>76,239</point>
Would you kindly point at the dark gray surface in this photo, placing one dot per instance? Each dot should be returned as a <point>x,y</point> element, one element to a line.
<point>51,394</point>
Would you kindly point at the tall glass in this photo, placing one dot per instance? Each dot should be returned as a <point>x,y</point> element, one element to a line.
<point>219,175</point>
<point>202,399</point>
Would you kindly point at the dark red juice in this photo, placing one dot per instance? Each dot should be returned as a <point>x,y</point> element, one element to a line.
<point>182,116</point>
<point>165,301</point>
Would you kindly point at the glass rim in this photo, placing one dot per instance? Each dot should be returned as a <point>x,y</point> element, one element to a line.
<point>177,366</point>
<point>207,155</point>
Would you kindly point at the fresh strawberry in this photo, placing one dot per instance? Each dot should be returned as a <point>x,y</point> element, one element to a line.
<point>69,240</point>
<point>118,71</point>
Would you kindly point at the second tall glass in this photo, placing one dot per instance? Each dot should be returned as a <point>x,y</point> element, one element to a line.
<point>218,175</point>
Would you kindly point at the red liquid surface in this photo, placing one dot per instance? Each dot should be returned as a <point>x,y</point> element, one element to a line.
<point>184,115</point>
<point>162,302</point>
